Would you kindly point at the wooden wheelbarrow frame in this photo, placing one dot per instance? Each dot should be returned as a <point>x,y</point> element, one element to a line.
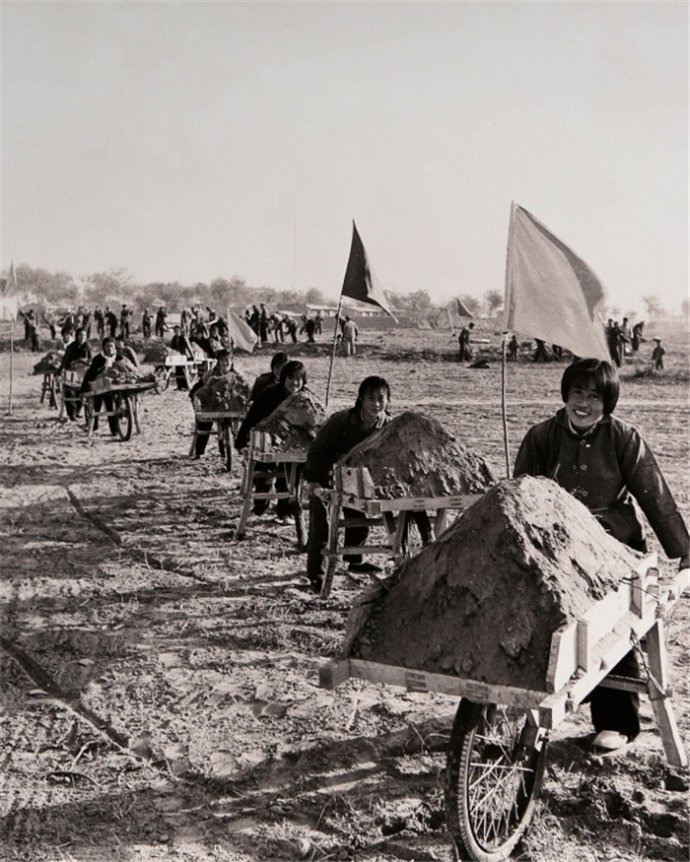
<point>581,657</point>
<point>290,461</point>
<point>353,488</point>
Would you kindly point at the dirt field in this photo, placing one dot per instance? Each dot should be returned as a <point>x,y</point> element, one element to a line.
<point>160,695</point>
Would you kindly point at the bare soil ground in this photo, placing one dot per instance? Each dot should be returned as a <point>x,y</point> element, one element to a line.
<point>159,678</point>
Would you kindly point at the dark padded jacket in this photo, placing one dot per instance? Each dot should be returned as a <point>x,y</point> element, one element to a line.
<point>606,468</point>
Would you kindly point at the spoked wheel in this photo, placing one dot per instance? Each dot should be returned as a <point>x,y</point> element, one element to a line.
<point>122,408</point>
<point>417,533</point>
<point>493,778</point>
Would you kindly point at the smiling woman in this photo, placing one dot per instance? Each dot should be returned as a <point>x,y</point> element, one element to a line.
<point>609,467</point>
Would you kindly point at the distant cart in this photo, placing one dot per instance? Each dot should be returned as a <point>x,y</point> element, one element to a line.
<point>125,406</point>
<point>164,371</point>
<point>497,749</point>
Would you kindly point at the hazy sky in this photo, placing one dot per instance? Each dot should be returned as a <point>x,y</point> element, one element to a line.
<point>185,141</point>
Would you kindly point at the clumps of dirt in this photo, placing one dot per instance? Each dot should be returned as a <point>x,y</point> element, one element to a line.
<point>229,391</point>
<point>414,456</point>
<point>484,599</point>
<point>294,423</point>
<point>156,353</point>
<point>120,373</point>
<point>49,363</point>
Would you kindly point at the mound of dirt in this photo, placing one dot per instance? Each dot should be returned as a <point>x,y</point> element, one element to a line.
<point>294,423</point>
<point>155,353</point>
<point>229,392</point>
<point>484,599</point>
<point>414,456</point>
<point>49,363</point>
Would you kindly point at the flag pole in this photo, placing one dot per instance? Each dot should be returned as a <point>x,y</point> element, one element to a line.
<point>9,404</point>
<point>504,414</point>
<point>335,341</point>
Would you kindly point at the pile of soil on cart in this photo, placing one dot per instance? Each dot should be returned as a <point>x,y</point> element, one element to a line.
<point>414,456</point>
<point>49,363</point>
<point>294,423</point>
<point>227,392</point>
<point>484,599</point>
<point>121,373</point>
<point>156,353</point>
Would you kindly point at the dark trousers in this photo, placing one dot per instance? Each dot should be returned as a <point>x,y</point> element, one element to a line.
<point>180,377</point>
<point>318,536</point>
<point>203,432</point>
<point>617,710</point>
<point>72,408</point>
<point>107,401</point>
<point>263,484</point>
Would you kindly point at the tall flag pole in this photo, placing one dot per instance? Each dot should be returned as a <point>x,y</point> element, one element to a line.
<point>504,364</point>
<point>11,286</point>
<point>359,283</point>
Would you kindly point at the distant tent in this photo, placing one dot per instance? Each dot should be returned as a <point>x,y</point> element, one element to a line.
<point>9,301</point>
<point>241,332</point>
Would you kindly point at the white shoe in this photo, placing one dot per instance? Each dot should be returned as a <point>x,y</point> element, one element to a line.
<point>609,740</point>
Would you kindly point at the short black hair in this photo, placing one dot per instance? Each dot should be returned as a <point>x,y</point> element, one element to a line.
<point>293,369</point>
<point>369,384</point>
<point>604,376</point>
<point>277,359</point>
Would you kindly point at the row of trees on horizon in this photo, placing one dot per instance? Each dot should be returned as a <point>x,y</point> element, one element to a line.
<point>116,286</point>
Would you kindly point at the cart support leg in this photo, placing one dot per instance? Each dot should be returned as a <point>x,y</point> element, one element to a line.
<point>661,702</point>
<point>248,486</point>
<point>331,549</point>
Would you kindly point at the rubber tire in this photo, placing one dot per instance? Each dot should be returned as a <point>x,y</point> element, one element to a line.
<point>122,405</point>
<point>465,744</point>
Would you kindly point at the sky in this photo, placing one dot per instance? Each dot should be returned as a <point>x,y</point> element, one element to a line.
<point>190,141</point>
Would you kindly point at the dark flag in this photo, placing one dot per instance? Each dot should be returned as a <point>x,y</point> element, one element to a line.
<point>360,282</point>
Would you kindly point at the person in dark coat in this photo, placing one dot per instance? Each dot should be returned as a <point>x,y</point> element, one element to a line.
<point>609,467</point>
<point>637,336</point>
<point>263,324</point>
<point>203,428</point>
<point>159,326</point>
<point>103,360</point>
<point>181,344</point>
<point>78,350</point>
<point>111,322</point>
<point>125,314</point>
<point>336,437</point>
<point>146,324</point>
<point>269,378</point>
<point>465,351</point>
<point>293,377</point>
<point>99,317</point>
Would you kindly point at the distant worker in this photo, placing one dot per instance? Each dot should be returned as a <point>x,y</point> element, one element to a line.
<point>465,351</point>
<point>637,336</point>
<point>159,327</point>
<point>658,355</point>
<point>146,323</point>
<point>513,349</point>
<point>350,333</point>
<point>111,322</point>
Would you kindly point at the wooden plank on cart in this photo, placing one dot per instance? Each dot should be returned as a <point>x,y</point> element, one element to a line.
<point>334,673</point>
<point>572,646</point>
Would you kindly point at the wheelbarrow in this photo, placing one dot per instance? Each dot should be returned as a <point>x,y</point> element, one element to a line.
<point>498,744</point>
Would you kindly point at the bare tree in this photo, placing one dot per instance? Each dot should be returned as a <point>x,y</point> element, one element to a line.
<point>493,300</point>
<point>653,307</point>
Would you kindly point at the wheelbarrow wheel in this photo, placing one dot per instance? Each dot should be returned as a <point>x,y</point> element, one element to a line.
<point>493,778</point>
<point>122,408</point>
